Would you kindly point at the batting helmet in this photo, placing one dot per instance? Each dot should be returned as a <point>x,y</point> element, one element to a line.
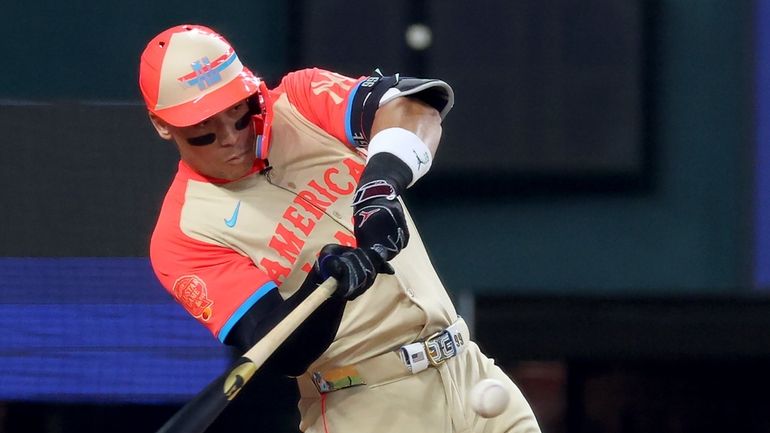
<point>189,73</point>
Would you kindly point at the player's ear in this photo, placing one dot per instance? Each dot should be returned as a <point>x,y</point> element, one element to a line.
<point>160,126</point>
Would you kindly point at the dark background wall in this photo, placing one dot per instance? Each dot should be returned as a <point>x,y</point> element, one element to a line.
<point>88,50</point>
<point>685,229</point>
<point>673,215</point>
<point>593,195</point>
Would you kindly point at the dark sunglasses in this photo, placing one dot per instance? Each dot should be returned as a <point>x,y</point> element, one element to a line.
<point>240,124</point>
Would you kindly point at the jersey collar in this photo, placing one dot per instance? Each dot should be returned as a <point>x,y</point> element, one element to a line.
<point>188,173</point>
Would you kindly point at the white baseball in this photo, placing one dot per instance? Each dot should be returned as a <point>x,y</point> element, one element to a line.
<point>418,36</point>
<point>489,398</point>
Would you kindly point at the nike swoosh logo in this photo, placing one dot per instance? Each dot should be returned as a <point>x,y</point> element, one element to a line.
<point>234,218</point>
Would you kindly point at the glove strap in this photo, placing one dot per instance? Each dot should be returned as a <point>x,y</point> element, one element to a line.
<point>374,189</point>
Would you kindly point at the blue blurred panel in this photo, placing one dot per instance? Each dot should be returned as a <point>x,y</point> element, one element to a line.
<point>762,167</point>
<point>98,329</point>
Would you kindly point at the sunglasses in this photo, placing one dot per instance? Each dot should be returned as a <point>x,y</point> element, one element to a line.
<point>240,125</point>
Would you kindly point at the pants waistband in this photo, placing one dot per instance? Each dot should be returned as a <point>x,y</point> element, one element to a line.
<point>408,359</point>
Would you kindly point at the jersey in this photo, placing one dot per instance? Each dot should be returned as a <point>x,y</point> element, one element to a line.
<point>219,247</point>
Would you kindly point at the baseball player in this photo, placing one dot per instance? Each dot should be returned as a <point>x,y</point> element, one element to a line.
<point>278,189</point>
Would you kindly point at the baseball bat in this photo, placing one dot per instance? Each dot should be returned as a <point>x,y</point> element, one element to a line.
<point>198,414</point>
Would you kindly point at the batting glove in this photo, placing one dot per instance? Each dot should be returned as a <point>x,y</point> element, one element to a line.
<point>378,217</point>
<point>355,269</point>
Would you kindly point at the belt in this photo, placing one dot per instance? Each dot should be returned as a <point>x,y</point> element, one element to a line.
<point>408,359</point>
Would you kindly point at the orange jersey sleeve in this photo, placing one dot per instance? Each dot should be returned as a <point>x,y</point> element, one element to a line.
<point>216,285</point>
<point>326,99</point>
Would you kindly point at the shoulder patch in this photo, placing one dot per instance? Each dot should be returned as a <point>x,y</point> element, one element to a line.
<point>190,291</point>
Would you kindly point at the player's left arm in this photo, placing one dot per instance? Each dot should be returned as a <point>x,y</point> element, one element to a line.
<point>354,110</point>
<point>405,134</point>
<point>397,119</point>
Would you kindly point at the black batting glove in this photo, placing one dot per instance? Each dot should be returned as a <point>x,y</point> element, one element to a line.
<point>355,269</point>
<point>378,217</point>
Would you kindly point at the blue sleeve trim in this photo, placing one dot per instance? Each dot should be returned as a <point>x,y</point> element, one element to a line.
<point>248,303</point>
<point>348,114</point>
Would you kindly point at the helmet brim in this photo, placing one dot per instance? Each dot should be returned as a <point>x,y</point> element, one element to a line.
<point>200,109</point>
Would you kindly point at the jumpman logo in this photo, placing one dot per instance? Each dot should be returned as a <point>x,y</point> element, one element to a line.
<point>421,161</point>
<point>365,214</point>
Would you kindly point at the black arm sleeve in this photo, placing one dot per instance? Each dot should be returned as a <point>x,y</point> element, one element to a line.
<point>305,344</point>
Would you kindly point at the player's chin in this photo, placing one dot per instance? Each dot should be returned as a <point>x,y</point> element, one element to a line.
<point>245,158</point>
<point>238,168</point>
<point>233,168</point>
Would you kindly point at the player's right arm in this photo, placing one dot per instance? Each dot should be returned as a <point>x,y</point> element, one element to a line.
<point>239,304</point>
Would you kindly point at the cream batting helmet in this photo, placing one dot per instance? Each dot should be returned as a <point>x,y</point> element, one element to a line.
<point>189,73</point>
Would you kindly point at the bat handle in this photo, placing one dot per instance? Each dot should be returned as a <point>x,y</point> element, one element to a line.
<point>200,412</point>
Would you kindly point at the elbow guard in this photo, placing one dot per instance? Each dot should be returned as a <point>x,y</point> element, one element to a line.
<point>377,90</point>
<point>435,93</point>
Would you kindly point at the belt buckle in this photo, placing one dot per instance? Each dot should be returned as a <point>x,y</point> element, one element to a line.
<point>432,346</point>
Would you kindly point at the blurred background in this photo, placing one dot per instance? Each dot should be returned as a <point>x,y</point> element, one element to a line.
<point>599,208</point>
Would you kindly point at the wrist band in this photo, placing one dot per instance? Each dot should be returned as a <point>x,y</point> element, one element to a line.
<point>406,146</point>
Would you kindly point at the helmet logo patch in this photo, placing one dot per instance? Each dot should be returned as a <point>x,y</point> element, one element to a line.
<point>205,73</point>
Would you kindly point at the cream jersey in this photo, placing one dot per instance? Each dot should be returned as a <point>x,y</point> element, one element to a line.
<point>218,247</point>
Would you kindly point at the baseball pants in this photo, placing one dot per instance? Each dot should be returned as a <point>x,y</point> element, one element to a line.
<point>434,400</point>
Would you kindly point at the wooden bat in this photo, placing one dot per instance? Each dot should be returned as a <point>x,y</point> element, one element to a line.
<point>198,414</point>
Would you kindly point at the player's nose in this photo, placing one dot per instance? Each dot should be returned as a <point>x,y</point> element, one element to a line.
<point>228,134</point>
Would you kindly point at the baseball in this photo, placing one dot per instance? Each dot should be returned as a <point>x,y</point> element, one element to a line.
<point>489,398</point>
<point>418,36</point>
